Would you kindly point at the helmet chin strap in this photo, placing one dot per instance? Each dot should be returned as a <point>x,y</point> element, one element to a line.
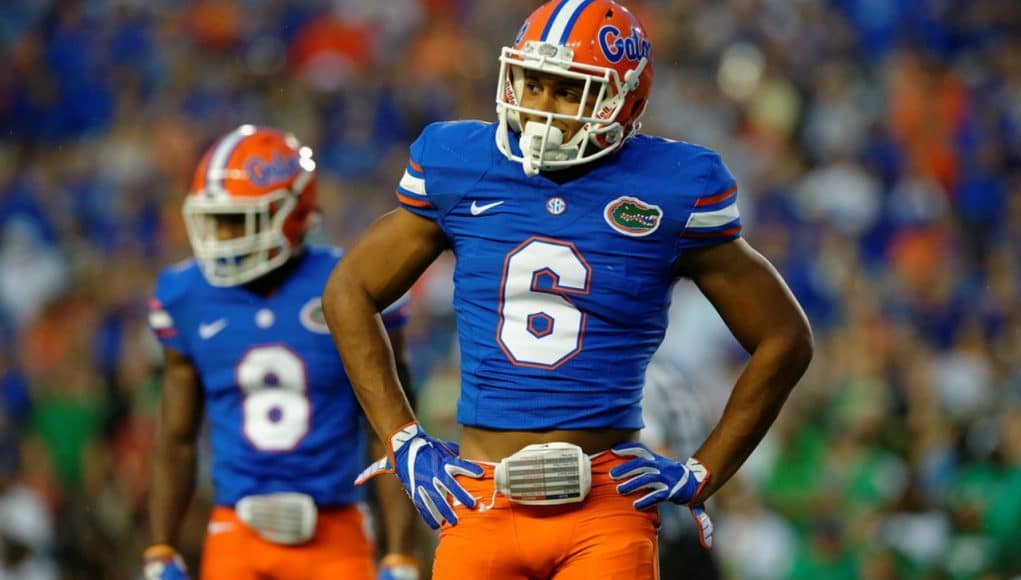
<point>541,142</point>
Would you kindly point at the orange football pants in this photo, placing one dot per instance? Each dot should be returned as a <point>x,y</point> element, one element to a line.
<point>339,549</point>
<point>601,538</point>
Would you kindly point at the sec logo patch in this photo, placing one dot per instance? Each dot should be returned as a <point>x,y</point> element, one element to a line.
<point>556,205</point>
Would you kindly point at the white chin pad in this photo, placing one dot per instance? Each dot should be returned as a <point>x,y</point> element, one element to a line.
<point>541,143</point>
<point>533,136</point>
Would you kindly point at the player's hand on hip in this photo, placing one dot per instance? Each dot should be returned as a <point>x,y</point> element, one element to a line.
<point>162,562</point>
<point>663,479</point>
<point>426,468</point>
<point>398,567</point>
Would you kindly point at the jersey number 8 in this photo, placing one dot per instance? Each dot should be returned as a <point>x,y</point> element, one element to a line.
<point>276,413</point>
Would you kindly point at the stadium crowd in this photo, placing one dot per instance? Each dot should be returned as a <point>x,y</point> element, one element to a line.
<point>877,144</point>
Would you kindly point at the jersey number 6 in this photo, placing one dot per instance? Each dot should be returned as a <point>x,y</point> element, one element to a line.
<point>539,325</point>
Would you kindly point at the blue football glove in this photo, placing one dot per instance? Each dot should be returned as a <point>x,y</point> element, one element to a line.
<point>665,480</point>
<point>426,468</point>
<point>398,567</point>
<point>162,562</point>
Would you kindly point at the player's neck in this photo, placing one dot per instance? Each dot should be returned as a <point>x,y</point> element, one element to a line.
<point>270,283</point>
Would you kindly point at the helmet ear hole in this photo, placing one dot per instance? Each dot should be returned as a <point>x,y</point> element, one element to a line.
<point>638,108</point>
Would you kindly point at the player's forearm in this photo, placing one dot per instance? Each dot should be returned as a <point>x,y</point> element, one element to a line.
<point>171,488</point>
<point>361,341</point>
<point>404,376</point>
<point>399,517</point>
<point>775,367</point>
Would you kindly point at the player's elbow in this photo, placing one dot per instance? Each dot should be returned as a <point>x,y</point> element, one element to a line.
<point>340,287</point>
<point>798,345</point>
<point>342,295</point>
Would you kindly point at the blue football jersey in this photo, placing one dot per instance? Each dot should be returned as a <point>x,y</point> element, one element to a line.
<point>281,412</point>
<point>562,285</point>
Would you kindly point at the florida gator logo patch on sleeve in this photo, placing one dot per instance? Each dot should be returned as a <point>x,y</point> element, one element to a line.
<point>632,216</point>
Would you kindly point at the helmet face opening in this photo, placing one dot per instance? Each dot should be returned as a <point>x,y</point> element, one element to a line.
<point>257,245</point>
<point>601,46</point>
<point>250,204</point>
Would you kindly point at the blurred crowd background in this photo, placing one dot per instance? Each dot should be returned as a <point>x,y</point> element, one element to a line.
<point>877,144</point>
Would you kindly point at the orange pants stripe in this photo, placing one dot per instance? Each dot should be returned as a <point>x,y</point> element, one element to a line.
<point>601,538</point>
<point>339,549</point>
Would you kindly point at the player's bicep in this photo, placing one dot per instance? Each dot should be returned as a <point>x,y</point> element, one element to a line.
<point>390,256</point>
<point>182,403</point>
<point>746,290</point>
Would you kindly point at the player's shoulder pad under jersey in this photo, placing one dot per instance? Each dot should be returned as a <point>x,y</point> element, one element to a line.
<point>444,161</point>
<point>701,169</point>
<point>328,252</point>
<point>698,182</point>
<point>175,286</point>
<point>454,143</point>
<point>323,258</point>
<point>176,283</point>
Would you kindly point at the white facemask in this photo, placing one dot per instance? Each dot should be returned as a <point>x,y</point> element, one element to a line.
<point>600,132</point>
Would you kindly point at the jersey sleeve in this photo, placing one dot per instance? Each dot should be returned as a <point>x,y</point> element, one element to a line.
<point>440,168</point>
<point>162,324</point>
<point>162,316</point>
<point>412,192</point>
<point>713,217</point>
<point>396,315</point>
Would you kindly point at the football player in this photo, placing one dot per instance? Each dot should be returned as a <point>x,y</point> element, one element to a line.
<point>246,346</point>
<point>570,228</point>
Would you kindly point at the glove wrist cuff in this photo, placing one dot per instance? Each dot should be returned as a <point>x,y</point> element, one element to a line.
<point>395,560</point>
<point>402,435</point>
<point>158,551</point>
<point>700,472</point>
<point>698,468</point>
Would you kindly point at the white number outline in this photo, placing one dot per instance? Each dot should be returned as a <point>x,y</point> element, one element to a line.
<point>299,388</point>
<point>557,290</point>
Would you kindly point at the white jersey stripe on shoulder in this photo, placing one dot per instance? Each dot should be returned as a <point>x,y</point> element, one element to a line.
<point>218,160</point>
<point>412,184</point>
<point>712,219</point>
<point>160,319</point>
<point>561,24</point>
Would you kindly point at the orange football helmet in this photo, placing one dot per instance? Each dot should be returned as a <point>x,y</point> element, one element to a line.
<point>258,178</point>
<point>598,42</point>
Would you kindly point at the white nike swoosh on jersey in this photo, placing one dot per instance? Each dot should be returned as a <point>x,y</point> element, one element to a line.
<point>207,331</point>
<point>219,528</point>
<point>477,209</point>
